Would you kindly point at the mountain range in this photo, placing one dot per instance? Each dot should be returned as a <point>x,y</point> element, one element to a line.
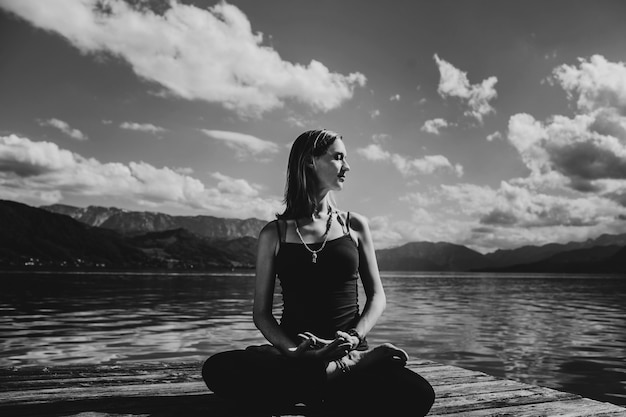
<point>100,237</point>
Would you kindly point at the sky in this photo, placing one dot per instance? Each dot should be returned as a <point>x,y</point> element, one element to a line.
<point>492,124</point>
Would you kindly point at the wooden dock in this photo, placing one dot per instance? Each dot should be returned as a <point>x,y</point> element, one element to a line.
<point>176,389</point>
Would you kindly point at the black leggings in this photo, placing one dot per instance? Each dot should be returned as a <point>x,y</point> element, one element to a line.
<point>271,381</point>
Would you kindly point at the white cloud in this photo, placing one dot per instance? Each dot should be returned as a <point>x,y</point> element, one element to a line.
<point>454,82</point>
<point>576,186</point>
<point>142,127</point>
<point>571,148</point>
<point>374,152</point>
<point>300,121</point>
<point>244,145</point>
<point>494,136</point>
<point>585,152</point>
<point>194,53</point>
<point>31,170</point>
<point>383,232</point>
<point>395,97</point>
<point>510,216</point>
<point>595,83</point>
<point>429,164</point>
<point>184,170</point>
<point>374,113</point>
<point>64,127</point>
<point>380,137</point>
<point>235,186</point>
<point>433,125</point>
<point>512,205</point>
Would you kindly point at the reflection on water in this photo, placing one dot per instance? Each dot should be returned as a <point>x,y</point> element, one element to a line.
<point>564,332</point>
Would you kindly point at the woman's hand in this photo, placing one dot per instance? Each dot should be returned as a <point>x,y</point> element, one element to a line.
<point>352,339</point>
<point>318,342</point>
<point>316,347</point>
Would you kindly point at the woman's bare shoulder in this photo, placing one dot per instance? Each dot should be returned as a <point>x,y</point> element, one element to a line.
<point>269,231</point>
<point>358,222</point>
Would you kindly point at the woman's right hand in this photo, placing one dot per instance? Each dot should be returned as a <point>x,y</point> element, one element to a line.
<point>316,347</point>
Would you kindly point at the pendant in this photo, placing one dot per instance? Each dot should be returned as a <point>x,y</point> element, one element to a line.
<point>314,258</point>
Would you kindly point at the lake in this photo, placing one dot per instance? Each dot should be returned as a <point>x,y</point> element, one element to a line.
<point>566,332</point>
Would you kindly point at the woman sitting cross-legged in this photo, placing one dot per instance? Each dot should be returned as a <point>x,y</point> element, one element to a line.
<point>318,352</point>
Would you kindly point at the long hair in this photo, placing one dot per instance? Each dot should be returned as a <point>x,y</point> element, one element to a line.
<point>302,183</point>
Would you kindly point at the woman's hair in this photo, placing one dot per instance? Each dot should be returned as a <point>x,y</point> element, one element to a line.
<point>302,183</point>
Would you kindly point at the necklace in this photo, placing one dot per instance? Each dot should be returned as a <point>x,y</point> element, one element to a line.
<point>315,252</point>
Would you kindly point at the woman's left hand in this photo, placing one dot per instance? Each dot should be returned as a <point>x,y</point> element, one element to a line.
<point>316,342</point>
<point>353,340</point>
<point>325,348</point>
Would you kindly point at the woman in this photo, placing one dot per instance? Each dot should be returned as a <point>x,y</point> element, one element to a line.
<point>318,352</point>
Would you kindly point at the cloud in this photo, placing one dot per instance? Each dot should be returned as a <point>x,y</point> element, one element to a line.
<point>595,83</point>
<point>374,113</point>
<point>31,170</point>
<point>64,127</point>
<point>512,205</point>
<point>380,138</point>
<point>383,232</point>
<point>244,145</point>
<point>374,152</point>
<point>570,148</point>
<point>509,216</point>
<point>454,83</point>
<point>429,164</point>
<point>184,170</point>
<point>142,127</point>
<point>25,159</point>
<point>299,121</point>
<point>585,152</point>
<point>193,53</point>
<point>235,186</point>
<point>575,188</point>
<point>395,97</point>
<point>494,136</point>
<point>433,125</point>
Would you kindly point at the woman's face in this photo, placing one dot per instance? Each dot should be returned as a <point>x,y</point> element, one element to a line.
<point>331,167</point>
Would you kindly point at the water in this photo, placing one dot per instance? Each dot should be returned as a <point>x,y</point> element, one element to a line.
<point>566,332</point>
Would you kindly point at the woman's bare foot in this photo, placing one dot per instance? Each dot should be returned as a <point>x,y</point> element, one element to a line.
<point>356,360</point>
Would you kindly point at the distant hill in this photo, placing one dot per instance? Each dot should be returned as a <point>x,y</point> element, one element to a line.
<point>599,259</point>
<point>180,248</point>
<point>533,254</point>
<point>428,256</point>
<point>40,238</point>
<point>593,255</point>
<point>33,236</point>
<point>138,222</point>
<point>61,235</point>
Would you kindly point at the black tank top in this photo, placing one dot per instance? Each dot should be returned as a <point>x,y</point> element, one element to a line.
<point>320,297</point>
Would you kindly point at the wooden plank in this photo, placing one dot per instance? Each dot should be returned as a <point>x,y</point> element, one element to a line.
<point>94,381</point>
<point>160,389</point>
<point>78,393</point>
<point>486,400</point>
<point>477,387</point>
<point>183,405</point>
<point>571,408</point>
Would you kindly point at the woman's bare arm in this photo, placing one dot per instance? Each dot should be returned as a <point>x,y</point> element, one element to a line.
<point>370,277</point>
<point>265,282</point>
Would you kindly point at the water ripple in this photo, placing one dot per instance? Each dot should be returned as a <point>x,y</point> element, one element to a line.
<point>565,332</point>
